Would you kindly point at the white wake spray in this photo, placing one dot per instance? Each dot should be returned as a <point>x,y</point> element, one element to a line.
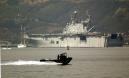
<point>23,62</point>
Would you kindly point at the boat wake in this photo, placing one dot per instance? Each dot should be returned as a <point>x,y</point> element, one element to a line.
<point>23,62</point>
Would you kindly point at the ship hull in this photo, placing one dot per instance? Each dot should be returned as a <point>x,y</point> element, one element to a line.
<point>71,41</point>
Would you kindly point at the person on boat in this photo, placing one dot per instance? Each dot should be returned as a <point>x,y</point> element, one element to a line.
<point>58,57</point>
<point>63,56</point>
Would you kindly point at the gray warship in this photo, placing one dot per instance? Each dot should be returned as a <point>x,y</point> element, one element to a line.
<point>76,34</point>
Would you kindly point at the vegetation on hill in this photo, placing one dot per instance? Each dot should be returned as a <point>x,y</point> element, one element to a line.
<point>51,16</point>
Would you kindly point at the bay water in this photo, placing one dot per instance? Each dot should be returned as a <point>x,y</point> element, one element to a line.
<point>86,63</point>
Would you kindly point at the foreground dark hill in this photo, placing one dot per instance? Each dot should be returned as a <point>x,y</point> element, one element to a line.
<point>42,16</point>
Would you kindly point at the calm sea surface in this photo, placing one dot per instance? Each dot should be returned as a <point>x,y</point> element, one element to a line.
<point>86,63</point>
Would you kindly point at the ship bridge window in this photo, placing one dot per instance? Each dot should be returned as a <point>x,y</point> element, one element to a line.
<point>62,38</point>
<point>57,42</point>
<point>114,36</point>
<point>83,38</point>
<point>52,42</point>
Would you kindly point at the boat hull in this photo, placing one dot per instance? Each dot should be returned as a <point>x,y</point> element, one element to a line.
<point>63,62</point>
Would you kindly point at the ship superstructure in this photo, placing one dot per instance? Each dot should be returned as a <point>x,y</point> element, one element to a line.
<point>75,34</point>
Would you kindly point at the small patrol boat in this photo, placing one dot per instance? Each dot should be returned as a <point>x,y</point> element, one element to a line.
<point>61,58</point>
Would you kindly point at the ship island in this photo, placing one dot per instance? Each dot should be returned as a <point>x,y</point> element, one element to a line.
<point>77,33</point>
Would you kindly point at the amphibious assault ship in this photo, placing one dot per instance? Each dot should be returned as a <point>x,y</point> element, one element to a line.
<point>76,34</point>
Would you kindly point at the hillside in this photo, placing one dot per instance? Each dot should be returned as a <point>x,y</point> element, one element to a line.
<point>51,16</point>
